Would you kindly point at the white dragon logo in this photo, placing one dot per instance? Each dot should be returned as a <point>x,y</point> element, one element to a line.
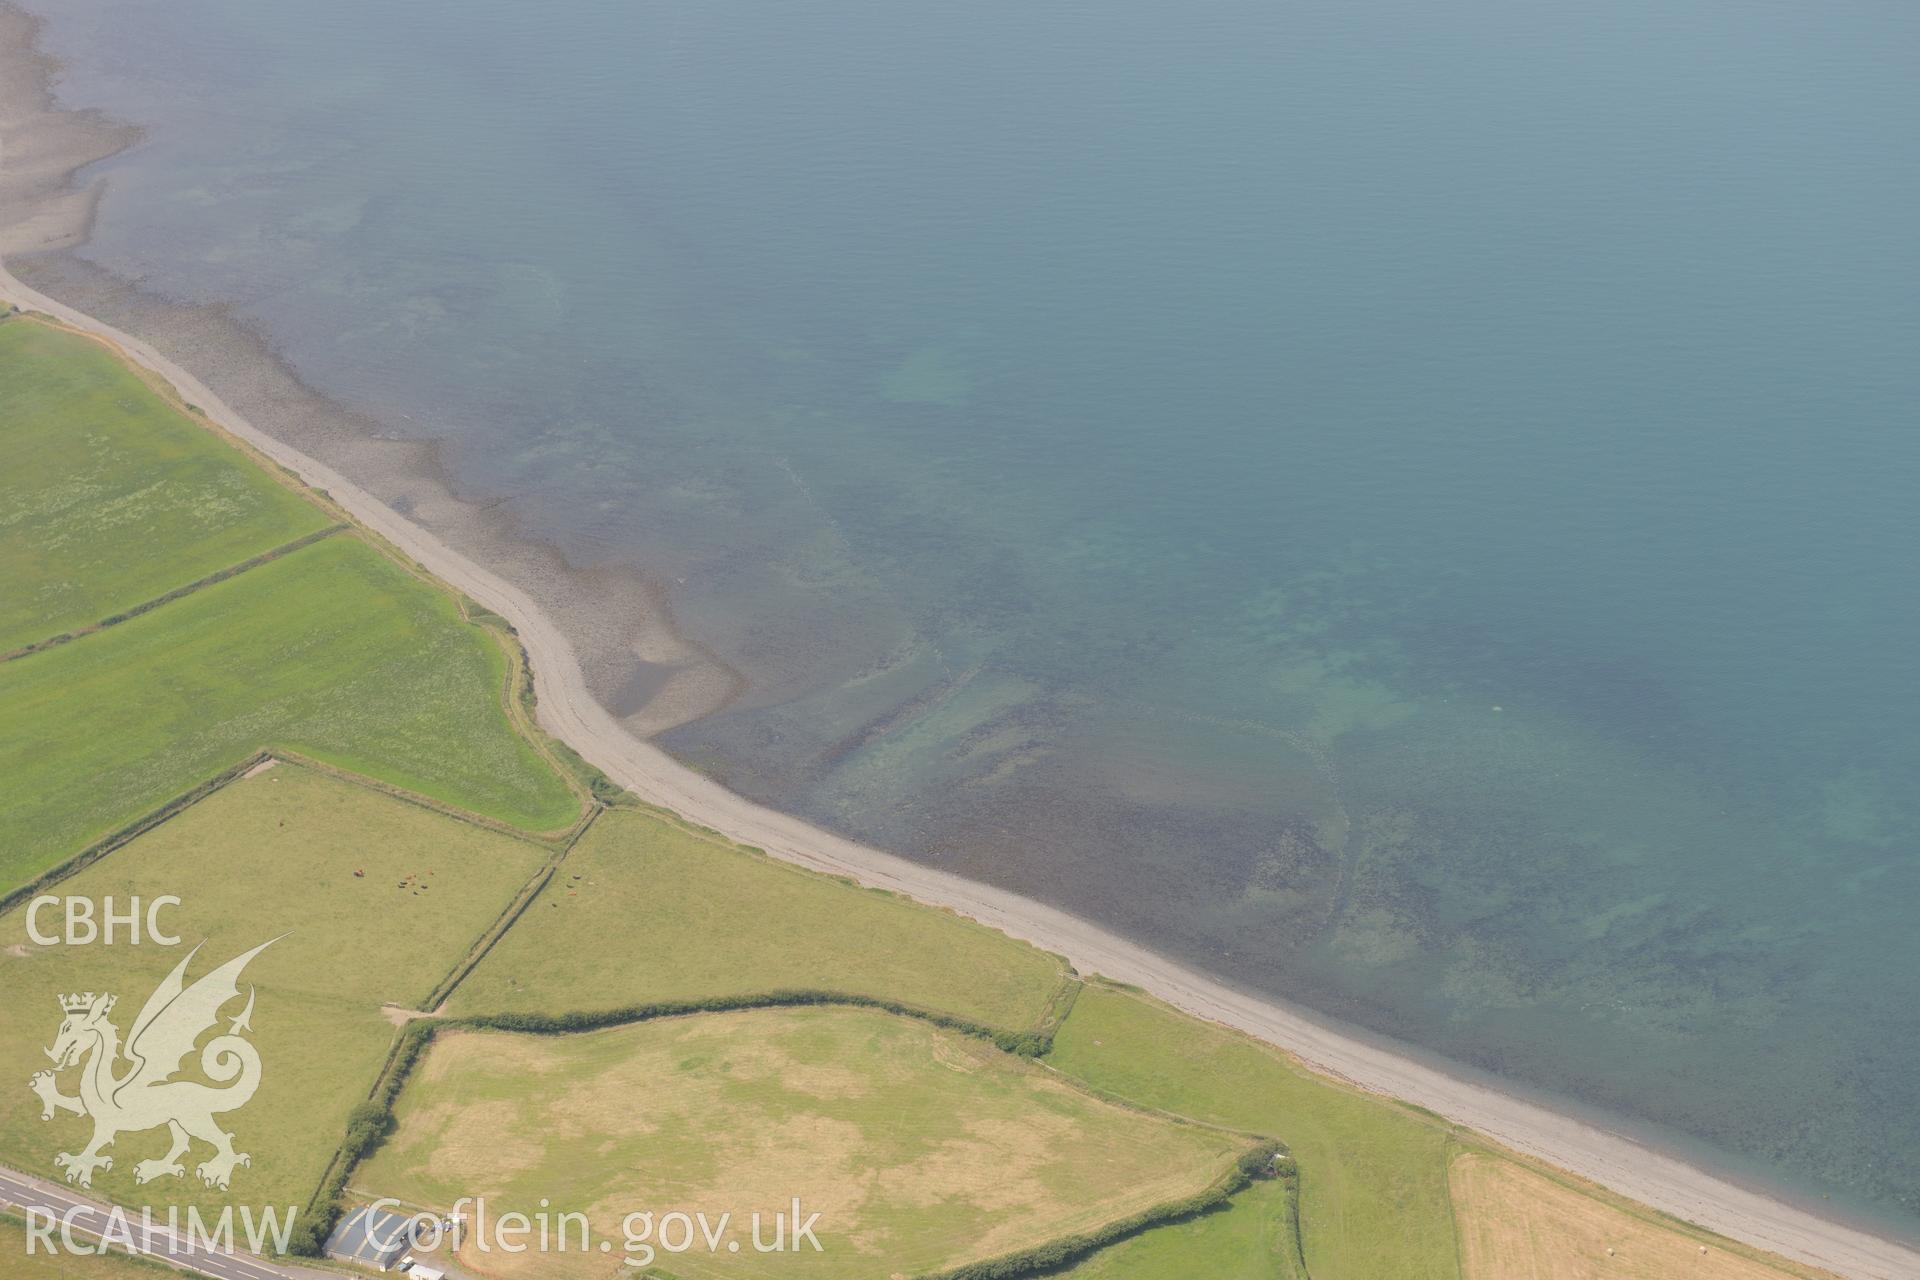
<point>145,1096</point>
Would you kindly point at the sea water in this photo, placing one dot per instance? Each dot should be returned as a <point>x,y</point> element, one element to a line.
<point>1411,507</point>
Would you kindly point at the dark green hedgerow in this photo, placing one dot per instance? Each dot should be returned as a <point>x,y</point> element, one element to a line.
<point>1025,1044</point>
<point>1265,1159</point>
<point>367,1126</point>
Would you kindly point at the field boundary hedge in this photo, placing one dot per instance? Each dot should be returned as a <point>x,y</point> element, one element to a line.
<point>564,835</point>
<point>148,606</point>
<point>1022,1044</point>
<point>108,843</point>
<point>509,916</point>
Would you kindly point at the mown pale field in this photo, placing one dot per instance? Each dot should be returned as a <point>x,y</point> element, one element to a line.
<point>919,1147</point>
<point>1519,1224</point>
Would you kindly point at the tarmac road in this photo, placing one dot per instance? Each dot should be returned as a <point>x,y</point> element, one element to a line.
<point>89,1220</point>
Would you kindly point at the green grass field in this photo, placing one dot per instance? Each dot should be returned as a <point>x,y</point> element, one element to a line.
<point>17,1264</point>
<point>1249,1239</point>
<point>1373,1175</point>
<point>271,854</point>
<point>333,651</point>
<point>919,1147</point>
<point>645,910</point>
<point>110,496</point>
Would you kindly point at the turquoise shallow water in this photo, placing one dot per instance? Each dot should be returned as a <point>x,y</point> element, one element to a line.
<point>1411,507</point>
